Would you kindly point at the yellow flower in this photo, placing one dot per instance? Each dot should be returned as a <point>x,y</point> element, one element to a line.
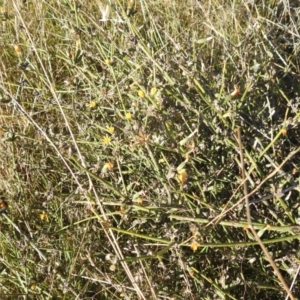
<point>283,131</point>
<point>153,91</point>
<point>108,62</point>
<point>162,160</point>
<point>139,200</point>
<point>141,94</point>
<point>111,129</point>
<point>18,49</point>
<point>106,140</point>
<point>92,104</point>
<point>182,176</point>
<point>128,116</point>
<point>194,245</point>
<point>130,4</point>
<point>107,167</point>
<point>44,216</point>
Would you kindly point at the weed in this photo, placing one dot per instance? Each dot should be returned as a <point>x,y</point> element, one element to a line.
<point>120,169</point>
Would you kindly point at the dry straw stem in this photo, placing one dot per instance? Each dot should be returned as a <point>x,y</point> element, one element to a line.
<point>185,243</point>
<point>250,226</point>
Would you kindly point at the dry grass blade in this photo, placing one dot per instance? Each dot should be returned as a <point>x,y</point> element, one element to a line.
<point>250,226</point>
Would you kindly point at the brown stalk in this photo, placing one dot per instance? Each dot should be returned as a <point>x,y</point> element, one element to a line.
<point>250,226</point>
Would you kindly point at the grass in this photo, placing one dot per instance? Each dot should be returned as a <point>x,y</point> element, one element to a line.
<point>120,168</point>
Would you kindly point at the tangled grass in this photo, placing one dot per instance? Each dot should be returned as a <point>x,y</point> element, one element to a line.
<point>120,170</point>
